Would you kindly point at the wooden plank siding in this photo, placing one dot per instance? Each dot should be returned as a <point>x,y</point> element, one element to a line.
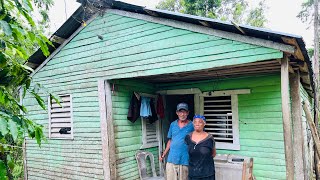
<point>308,141</point>
<point>80,158</point>
<point>260,121</point>
<point>130,48</point>
<point>128,135</point>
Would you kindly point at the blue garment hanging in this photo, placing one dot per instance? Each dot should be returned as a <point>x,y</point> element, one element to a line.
<point>145,109</point>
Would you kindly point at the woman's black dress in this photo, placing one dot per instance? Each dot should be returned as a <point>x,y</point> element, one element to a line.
<point>201,164</point>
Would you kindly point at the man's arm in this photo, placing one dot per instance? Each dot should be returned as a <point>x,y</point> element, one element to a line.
<point>166,150</point>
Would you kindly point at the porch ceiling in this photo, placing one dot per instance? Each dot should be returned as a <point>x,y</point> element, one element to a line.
<point>264,67</point>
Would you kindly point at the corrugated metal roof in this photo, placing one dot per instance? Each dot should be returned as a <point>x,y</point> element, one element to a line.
<point>73,23</point>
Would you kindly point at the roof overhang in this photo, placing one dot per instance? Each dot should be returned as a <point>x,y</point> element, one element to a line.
<point>299,59</point>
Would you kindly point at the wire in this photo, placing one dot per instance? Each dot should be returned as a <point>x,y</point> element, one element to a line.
<point>65,9</point>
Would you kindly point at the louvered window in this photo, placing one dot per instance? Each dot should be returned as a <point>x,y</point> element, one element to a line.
<point>60,118</point>
<point>221,111</point>
<point>149,134</point>
<point>218,112</point>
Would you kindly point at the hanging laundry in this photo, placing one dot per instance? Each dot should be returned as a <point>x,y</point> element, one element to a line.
<point>154,115</point>
<point>134,109</point>
<point>145,110</point>
<point>160,107</point>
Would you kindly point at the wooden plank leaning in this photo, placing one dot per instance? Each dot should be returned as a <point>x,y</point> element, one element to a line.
<point>314,131</point>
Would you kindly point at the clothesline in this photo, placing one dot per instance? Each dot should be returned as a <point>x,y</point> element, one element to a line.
<point>138,95</point>
<point>145,105</point>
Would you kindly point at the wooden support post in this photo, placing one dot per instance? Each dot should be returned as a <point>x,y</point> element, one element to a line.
<point>313,128</point>
<point>286,118</point>
<point>110,130</point>
<point>316,75</point>
<point>104,129</point>
<point>298,140</point>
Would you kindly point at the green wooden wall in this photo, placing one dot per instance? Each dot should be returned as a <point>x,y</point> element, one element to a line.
<point>260,121</point>
<point>128,135</point>
<point>130,48</point>
<point>80,158</point>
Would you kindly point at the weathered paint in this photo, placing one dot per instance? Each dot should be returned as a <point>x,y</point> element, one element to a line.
<point>80,158</point>
<point>128,135</point>
<point>130,48</point>
<point>260,121</point>
<point>308,142</point>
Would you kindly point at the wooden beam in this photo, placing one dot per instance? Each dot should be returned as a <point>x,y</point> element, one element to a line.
<point>104,129</point>
<point>286,118</point>
<point>180,91</point>
<point>292,41</point>
<point>298,139</point>
<point>152,13</point>
<point>205,23</point>
<point>313,128</point>
<point>110,130</point>
<point>304,74</point>
<point>298,61</point>
<point>57,39</point>
<point>291,69</point>
<point>238,27</point>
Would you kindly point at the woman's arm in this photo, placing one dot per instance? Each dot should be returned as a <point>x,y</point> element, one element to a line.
<point>166,150</point>
<point>214,152</point>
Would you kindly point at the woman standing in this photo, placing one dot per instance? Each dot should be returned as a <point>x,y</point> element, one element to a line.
<point>201,149</point>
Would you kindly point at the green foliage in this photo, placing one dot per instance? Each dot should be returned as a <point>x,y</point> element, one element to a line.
<point>256,16</point>
<point>3,171</point>
<point>306,13</point>
<point>20,36</point>
<point>310,52</point>
<point>232,10</point>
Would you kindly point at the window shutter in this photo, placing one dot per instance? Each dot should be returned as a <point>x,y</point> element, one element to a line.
<point>218,112</point>
<point>151,133</point>
<point>60,118</point>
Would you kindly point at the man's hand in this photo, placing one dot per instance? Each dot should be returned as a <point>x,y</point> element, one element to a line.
<point>161,157</point>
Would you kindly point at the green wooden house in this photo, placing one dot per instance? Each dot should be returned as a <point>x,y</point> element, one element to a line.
<point>242,73</point>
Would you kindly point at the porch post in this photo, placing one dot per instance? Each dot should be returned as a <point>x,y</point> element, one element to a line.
<point>107,135</point>
<point>112,146</point>
<point>103,126</point>
<point>287,132</point>
<point>298,141</point>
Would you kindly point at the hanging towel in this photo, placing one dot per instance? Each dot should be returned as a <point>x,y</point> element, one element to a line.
<point>154,115</point>
<point>145,110</point>
<point>134,109</point>
<point>160,107</point>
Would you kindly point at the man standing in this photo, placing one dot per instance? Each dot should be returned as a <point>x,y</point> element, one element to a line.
<point>178,159</point>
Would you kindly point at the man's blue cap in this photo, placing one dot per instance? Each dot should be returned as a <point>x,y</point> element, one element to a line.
<point>182,106</point>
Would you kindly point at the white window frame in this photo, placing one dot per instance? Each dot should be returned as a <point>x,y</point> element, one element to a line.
<point>71,118</point>
<point>235,114</point>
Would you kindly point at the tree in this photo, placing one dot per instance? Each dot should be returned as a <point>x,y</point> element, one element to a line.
<point>306,12</point>
<point>234,10</point>
<point>20,36</point>
<point>310,14</point>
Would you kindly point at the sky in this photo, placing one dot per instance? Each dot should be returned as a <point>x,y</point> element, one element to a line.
<point>281,15</point>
